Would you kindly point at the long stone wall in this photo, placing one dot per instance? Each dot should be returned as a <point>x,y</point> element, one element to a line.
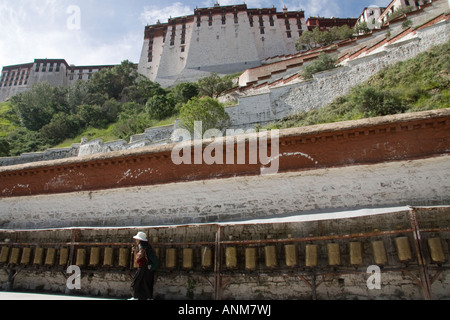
<point>263,260</point>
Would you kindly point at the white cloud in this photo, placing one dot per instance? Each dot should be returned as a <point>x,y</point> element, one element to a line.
<point>152,14</point>
<point>323,8</point>
<point>32,29</point>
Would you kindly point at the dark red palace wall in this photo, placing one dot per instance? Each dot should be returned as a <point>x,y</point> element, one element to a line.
<point>369,141</point>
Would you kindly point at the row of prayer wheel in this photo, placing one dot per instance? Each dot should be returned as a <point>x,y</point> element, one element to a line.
<point>402,245</point>
<point>48,256</point>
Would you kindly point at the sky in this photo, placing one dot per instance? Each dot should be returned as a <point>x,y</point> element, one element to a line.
<point>99,32</point>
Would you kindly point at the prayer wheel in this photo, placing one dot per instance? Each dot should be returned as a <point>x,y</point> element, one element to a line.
<point>26,256</point>
<point>81,257</point>
<point>157,252</point>
<point>124,257</point>
<point>311,255</point>
<point>291,255</point>
<point>231,257</point>
<point>206,257</point>
<point>250,258</point>
<point>379,252</point>
<point>94,258</point>
<point>4,255</point>
<point>188,258</point>
<point>171,258</point>
<point>356,253</point>
<point>50,257</point>
<point>15,254</point>
<point>436,250</point>
<point>403,249</point>
<point>271,256</point>
<point>63,256</point>
<point>334,256</point>
<point>38,256</point>
<point>108,258</point>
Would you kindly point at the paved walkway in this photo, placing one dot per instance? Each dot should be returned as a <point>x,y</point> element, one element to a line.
<point>37,296</point>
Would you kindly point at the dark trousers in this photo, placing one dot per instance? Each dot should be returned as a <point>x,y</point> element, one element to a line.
<point>142,284</point>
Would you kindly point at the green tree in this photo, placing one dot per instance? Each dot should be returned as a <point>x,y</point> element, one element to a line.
<point>213,85</point>
<point>110,110</point>
<point>113,81</point>
<point>322,63</point>
<point>373,101</point>
<point>209,111</point>
<point>22,140</point>
<point>185,91</point>
<point>36,106</point>
<point>132,120</point>
<point>361,28</point>
<point>61,126</point>
<point>5,147</point>
<point>160,107</point>
<point>92,115</point>
<point>77,95</point>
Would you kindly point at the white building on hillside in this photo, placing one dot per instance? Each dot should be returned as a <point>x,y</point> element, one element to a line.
<point>21,77</point>
<point>220,39</point>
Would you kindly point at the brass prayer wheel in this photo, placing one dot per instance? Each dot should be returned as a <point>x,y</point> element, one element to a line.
<point>50,257</point>
<point>94,258</point>
<point>436,250</point>
<point>250,258</point>
<point>271,256</point>
<point>26,256</point>
<point>63,256</point>
<point>403,249</point>
<point>108,258</point>
<point>4,255</point>
<point>206,257</point>
<point>311,255</point>
<point>356,253</point>
<point>379,252</point>
<point>38,256</point>
<point>231,257</point>
<point>124,257</point>
<point>15,253</point>
<point>291,255</point>
<point>188,258</point>
<point>334,256</point>
<point>81,257</point>
<point>171,258</point>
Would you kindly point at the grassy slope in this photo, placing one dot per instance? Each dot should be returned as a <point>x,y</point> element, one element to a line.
<point>421,83</point>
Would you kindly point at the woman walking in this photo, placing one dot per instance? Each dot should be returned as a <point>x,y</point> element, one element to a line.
<point>147,262</point>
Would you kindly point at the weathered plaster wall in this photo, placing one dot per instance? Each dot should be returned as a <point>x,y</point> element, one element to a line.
<point>398,280</point>
<point>418,182</point>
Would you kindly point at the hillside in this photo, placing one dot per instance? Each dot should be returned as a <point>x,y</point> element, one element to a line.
<point>421,83</point>
<point>97,110</point>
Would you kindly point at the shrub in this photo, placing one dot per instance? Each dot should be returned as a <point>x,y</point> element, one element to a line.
<point>209,111</point>
<point>322,63</point>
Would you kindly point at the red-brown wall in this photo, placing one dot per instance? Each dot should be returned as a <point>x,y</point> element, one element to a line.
<point>391,138</point>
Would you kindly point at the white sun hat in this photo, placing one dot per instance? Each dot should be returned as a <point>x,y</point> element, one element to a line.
<point>141,236</point>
